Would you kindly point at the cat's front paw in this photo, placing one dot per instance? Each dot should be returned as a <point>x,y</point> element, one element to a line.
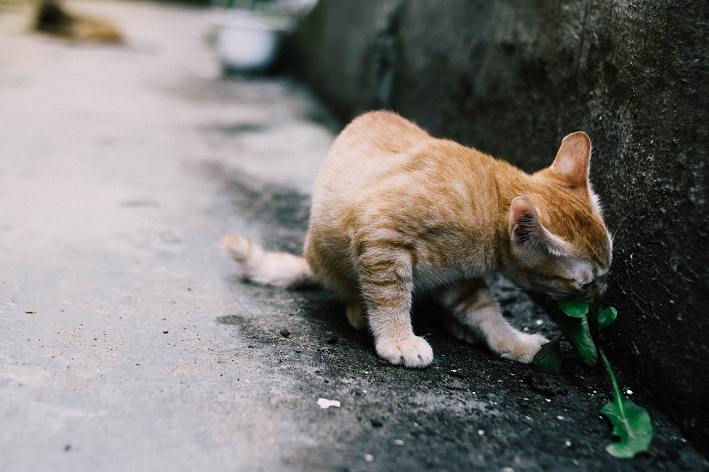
<point>524,347</point>
<point>411,352</point>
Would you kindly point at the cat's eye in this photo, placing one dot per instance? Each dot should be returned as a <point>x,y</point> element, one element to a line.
<point>586,286</point>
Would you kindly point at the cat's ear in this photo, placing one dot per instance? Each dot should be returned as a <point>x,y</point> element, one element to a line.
<point>527,231</point>
<point>573,159</point>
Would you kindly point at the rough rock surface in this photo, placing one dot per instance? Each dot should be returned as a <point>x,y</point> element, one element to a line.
<point>512,78</point>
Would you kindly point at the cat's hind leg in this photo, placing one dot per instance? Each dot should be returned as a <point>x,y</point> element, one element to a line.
<point>472,307</point>
<point>355,315</point>
<point>459,331</point>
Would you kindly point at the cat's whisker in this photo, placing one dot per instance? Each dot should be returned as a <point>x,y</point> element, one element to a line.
<point>622,247</point>
<point>618,231</point>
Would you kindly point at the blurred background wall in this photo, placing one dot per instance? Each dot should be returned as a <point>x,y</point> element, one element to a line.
<point>511,78</point>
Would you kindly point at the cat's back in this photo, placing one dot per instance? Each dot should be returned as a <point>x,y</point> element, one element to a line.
<point>382,130</point>
<point>373,145</point>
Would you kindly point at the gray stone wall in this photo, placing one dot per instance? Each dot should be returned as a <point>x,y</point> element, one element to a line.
<point>512,78</point>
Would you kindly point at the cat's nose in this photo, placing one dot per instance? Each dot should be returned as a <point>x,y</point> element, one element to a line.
<point>596,291</point>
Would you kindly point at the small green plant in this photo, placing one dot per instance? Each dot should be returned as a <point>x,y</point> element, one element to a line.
<point>631,423</point>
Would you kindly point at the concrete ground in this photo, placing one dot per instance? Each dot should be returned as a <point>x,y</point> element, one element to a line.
<point>130,344</point>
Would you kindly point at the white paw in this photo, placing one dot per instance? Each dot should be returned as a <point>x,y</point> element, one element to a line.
<point>523,348</point>
<point>411,352</point>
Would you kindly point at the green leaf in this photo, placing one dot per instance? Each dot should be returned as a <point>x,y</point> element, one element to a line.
<point>606,317</point>
<point>548,358</point>
<point>632,424</point>
<point>576,331</point>
<point>575,307</point>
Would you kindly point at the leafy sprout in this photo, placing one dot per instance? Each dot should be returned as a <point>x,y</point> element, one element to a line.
<point>631,423</point>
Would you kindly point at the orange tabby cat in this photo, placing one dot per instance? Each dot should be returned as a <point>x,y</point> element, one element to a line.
<point>396,211</point>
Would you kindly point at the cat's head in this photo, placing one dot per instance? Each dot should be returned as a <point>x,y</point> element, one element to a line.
<point>558,242</point>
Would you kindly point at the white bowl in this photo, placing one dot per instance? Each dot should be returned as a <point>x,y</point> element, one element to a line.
<point>247,41</point>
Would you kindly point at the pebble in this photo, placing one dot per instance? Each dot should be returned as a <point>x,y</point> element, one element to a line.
<point>324,403</point>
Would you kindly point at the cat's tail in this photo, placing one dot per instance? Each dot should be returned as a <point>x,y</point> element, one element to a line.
<point>278,269</point>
